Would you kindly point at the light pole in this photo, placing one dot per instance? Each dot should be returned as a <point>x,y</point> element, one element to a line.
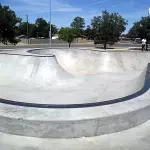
<point>50,28</point>
<point>27,29</point>
<point>149,12</point>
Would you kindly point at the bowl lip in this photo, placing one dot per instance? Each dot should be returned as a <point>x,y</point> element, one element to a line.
<point>25,52</point>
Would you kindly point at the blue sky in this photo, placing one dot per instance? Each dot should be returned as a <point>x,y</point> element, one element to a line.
<point>63,11</point>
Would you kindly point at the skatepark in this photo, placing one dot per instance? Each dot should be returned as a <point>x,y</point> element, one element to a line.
<point>72,93</point>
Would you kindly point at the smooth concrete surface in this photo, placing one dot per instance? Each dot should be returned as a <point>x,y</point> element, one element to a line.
<point>39,78</point>
<point>46,79</point>
<point>80,62</point>
<point>137,138</point>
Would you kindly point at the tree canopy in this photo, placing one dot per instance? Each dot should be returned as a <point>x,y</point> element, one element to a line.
<point>78,24</point>
<point>140,29</point>
<point>108,28</point>
<point>67,34</point>
<point>12,26</point>
<point>8,23</point>
<point>39,29</point>
<point>89,33</point>
<point>22,29</point>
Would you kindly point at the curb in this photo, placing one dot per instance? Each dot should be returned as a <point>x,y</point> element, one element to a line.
<point>97,49</point>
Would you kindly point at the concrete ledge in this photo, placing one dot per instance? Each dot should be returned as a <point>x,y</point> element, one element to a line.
<point>76,128</point>
<point>136,48</point>
<point>24,52</point>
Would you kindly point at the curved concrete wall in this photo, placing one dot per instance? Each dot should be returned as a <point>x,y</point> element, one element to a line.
<point>83,62</point>
<point>99,123</point>
<point>91,62</point>
<point>36,80</point>
<point>32,71</point>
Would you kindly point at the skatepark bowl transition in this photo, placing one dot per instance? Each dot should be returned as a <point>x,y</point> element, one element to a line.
<point>58,93</point>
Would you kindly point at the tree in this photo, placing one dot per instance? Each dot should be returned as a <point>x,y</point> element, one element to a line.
<point>22,29</point>
<point>8,22</point>
<point>141,29</point>
<point>43,28</point>
<point>39,29</point>
<point>54,29</point>
<point>108,28</point>
<point>133,32</point>
<point>89,33</point>
<point>67,34</point>
<point>79,24</point>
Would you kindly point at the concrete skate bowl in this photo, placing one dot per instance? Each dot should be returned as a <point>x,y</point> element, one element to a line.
<point>73,93</point>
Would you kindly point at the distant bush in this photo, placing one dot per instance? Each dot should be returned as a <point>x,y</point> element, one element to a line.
<point>15,41</point>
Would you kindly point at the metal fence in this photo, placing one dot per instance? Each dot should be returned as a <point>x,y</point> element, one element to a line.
<point>54,41</point>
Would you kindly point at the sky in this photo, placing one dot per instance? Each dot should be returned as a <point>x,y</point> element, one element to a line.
<point>64,11</point>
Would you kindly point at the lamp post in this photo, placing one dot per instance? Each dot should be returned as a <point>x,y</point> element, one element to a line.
<point>27,29</point>
<point>50,28</point>
<point>149,17</point>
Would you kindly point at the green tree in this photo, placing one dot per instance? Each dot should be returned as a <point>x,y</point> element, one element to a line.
<point>108,28</point>
<point>133,32</point>
<point>89,33</point>
<point>8,23</point>
<point>39,29</point>
<point>67,34</point>
<point>79,24</point>
<point>22,29</point>
<point>54,29</point>
<point>141,29</point>
<point>43,28</point>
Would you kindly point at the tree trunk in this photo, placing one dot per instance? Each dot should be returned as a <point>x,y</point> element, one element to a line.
<point>146,46</point>
<point>77,40</point>
<point>105,45</point>
<point>69,45</point>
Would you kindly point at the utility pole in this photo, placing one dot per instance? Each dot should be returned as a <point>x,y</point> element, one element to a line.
<point>149,12</point>
<point>50,27</point>
<point>27,29</point>
<point>148,17</point>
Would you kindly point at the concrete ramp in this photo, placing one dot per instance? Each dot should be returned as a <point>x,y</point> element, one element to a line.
<point>54,81</point>
<point>94,62</point>
<point>27,72</point>
<point>84,62</point>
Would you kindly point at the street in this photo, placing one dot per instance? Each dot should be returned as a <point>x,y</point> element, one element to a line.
<point>120,45</point>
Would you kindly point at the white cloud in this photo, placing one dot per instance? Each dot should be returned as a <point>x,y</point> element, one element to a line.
<point>40,6</point>
<point>100,2</point>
